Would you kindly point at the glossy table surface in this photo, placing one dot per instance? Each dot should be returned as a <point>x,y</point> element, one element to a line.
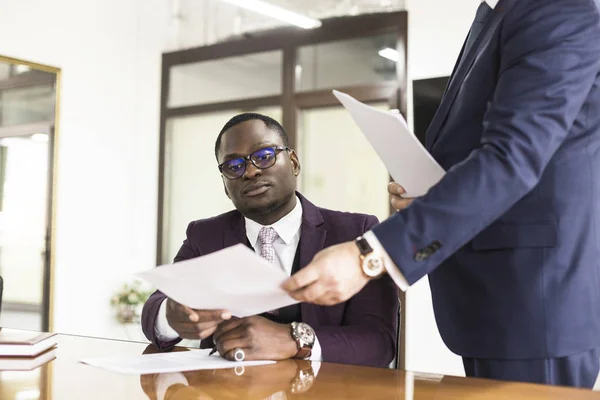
<point>66,378</point>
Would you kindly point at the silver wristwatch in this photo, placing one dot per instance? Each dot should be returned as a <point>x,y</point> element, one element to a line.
<point>304,336</point>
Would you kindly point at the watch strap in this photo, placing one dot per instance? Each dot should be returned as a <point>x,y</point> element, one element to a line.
<point>303,353</point>
<point>363,246</point>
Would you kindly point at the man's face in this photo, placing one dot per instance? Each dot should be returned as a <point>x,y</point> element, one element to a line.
<point>258,191</point>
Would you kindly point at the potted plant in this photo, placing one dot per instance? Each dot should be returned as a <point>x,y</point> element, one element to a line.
<point>128,302</point>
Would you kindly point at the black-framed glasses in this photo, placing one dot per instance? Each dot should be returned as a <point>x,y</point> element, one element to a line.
<point>261,159</point>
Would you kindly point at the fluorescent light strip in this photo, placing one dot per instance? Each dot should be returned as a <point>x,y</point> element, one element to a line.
<point>276,12</point>
<point>390,54</point>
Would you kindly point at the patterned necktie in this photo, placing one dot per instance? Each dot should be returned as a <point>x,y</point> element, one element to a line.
<point>267,237</point>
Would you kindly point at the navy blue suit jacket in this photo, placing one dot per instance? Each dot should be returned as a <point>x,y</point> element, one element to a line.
<point>510,237</point>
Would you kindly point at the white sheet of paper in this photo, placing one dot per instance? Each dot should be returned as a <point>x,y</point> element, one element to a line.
<point>167,362</point>
<point>235,279</point>
<point>404,156</point>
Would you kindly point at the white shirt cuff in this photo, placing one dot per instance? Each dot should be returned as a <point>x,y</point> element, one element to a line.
<point>390,266</point>
<point>316,354</point>
<point>165,381</point>
<point>163,330</point>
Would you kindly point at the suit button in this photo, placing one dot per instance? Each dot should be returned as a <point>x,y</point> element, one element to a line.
<point>421,256</point>
<point>435,246</point>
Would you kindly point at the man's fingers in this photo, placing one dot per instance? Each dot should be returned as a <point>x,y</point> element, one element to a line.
<point>207,332</point>
<point>195,330</point>
<point>399,203</point>
<point>213,315</point>
<point>235,333</point>
<point>301,279</point>
<point>180,312</point>
<point>191,314</point>
<point>310,294</point>
<point>227,348</point>
<point>394,188</point>
<point>226,327</point>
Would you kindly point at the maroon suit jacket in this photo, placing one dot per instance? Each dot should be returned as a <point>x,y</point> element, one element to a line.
<point>361,331</point>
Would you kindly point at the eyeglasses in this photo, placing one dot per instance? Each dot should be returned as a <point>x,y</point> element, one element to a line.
<point>261,159</point>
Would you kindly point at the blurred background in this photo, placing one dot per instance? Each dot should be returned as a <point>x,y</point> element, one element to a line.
<point>108,115</point>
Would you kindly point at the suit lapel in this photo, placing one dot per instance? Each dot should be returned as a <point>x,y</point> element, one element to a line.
<point>235,232</point>
<point>459,74</point>
<point>312,240</point>
<point>462,49</point>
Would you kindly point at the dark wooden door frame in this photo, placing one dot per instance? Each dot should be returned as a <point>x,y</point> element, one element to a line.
<point>288,40</point>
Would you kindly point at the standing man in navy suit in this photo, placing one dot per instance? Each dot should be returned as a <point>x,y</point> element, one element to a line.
<point>259,173</point>
<point>510,237</point>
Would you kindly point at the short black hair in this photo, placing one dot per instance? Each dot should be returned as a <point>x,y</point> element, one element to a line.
<point>240,118</point>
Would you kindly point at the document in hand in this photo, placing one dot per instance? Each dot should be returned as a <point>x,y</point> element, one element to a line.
<point>234,279</point>
<point>404,156</point>
<point>178,361</point>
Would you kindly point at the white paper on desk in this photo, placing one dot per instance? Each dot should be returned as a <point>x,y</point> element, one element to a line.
<point>177,361</point>
<point>234,279</point>
<point>404,156</point>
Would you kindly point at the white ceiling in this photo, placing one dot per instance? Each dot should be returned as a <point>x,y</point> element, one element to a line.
<point>203,22</point>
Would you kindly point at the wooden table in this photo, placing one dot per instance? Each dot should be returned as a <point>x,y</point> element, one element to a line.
<point>65,378</point>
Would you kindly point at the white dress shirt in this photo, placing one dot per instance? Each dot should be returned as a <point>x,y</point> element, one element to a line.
<point>286,245</point>
<point>370,237</point>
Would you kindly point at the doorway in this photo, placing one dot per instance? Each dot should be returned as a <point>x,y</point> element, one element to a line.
<point>27,129</point>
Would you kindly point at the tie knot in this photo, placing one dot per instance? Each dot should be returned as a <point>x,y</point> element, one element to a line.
<point>267,235</point>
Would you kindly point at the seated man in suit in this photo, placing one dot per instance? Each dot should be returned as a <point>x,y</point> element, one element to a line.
<point>259,173</point>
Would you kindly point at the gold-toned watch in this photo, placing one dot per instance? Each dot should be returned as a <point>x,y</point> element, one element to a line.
<point>371,264</point>
<point>303,380</point>
<point>304,336</point>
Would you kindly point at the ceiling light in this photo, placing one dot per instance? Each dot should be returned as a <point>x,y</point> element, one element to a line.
<point>39,137</point>
<point>276,12</point>
<point>390,54</point>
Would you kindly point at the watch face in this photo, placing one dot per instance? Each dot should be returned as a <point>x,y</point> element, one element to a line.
<point>303,382</point>
<point>305,333</point>
<point>373,266</point>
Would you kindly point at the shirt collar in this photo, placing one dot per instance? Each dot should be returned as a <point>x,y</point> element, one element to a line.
<point>491,3</point>
<point>287,227</point>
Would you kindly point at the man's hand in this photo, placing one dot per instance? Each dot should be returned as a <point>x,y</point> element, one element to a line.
<point>260,339</point>
<point>332,277</point>
<point>194,324</point>
<point>398,202</point>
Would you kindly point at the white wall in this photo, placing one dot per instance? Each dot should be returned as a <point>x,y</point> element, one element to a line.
<point>437,29</point>
<point>109,52</point>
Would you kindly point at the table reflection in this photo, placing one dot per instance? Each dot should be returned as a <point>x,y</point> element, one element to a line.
<point>273,382</point>
<point>66,378</point>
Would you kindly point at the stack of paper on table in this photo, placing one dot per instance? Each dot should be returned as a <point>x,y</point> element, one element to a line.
<point>234,279</point>
<point>404,156</point>
<point>24,344</point>
<point>167,362</point>
<point>22,350</point>
<point>27,363</point>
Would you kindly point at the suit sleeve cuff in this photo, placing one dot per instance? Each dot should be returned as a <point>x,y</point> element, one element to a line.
<point>390,266</point>
<point>163,330</point>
